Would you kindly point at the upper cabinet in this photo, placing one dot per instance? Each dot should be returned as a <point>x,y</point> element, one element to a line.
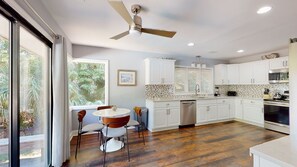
<point>221,74</point>
<point>159,71</point>
<point>233,74</point>
<point>254,72</point>
<point>279,63</point>
<point>226,74</point>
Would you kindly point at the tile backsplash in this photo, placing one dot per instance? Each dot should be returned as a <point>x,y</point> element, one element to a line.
<point>252,91</point>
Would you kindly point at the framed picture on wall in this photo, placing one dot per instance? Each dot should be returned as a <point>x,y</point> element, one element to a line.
<point>127,77</point>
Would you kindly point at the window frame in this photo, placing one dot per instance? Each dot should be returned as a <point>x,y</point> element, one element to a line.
<point>106,63</point>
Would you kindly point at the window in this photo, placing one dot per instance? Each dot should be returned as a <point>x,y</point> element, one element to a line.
<point>186,80</point>
<point>88,82</point>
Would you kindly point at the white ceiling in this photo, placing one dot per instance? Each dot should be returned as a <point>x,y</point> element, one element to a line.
<point>218,28</point>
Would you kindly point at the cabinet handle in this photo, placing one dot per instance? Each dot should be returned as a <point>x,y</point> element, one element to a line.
<point>251,80</point>
<point>207,109</point>
<point>222,81</point>
<point>252,101</point>
<point>262,110</point>
<point>168,111</point>
<point>240,101</point>
<point>283,63</point>
<point>286,63</point>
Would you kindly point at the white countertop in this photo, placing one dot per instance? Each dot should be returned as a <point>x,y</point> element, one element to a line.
<point>281,151</point>
<point>200,98</point>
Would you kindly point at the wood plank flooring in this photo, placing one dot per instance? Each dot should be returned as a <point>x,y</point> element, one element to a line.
<point>221,144</point>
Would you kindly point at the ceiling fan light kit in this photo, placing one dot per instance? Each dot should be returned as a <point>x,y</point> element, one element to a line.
<point>135,23</point>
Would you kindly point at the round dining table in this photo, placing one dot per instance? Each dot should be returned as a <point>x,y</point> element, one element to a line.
<point>113,144</point>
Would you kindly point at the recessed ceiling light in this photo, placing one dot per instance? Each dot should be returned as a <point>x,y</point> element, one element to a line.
<point>191,44</point>
<point>240,51</point>
<point>264,9</point>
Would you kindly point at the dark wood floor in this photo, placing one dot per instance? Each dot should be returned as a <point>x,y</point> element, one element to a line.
<point>221,144</point>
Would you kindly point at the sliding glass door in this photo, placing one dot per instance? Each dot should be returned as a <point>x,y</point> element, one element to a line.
<point>25,125</point>
<point>33,111</point>
<point>4,91</point>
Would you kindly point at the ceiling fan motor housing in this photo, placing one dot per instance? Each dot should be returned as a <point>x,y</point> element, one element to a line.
<point>138,25</point>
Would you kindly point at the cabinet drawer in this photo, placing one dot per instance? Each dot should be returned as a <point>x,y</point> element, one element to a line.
<point>223,101</point>
<point>206,102</point>
<point>253,102</point>
<point>167,104</point>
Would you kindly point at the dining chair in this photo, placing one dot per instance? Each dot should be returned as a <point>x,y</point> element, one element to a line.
<point>138,123</point>
<point>94,127</point>
<point>114,128</point>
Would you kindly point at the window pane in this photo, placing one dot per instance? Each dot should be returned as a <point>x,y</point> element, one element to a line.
<point>192,80</point>
<point>87,83</point>
<point>4,90</point>
<point>207,81</point>
<point>180,80</point>
<point>34,57</point>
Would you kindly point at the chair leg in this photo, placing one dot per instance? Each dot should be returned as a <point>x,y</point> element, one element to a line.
<point>104,147</point>
<point>142,136</point>
<point>128,144</point>
<point>138,129</point>
<point>77,141</point>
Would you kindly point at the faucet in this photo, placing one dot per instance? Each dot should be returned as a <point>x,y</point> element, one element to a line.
<point>197,89</point>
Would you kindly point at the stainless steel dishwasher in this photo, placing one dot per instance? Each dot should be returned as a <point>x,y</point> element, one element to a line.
<point>187,112</point>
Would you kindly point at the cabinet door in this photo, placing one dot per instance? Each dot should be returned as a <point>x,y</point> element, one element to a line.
<point>279,63</point>
<point>167,71</point>
<point>253,113</point>
<point>173,117</point>
<point>160,118</point>
<point>212,113</point>
<point>233,74</point>
<point>245,73</point>
<point>260,72</point>
<point>201,115</point>
<point>153,75</point>
<point>220,74</point>
<point>206,82</point>
<point>238,109</point>
<point>223,111</point>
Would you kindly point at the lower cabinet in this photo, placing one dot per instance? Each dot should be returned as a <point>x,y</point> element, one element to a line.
<point>212,110</point>
<point>163,115</point>
<point>253,111</point>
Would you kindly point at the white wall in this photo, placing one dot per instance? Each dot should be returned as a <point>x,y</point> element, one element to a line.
<point>256,57</point>
<point>293,90</point>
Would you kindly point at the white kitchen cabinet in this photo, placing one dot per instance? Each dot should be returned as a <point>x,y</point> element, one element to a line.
<point>163,115</point>
<point>254,72</point>
<point>159,71</point>
<point>206,111</point>
<point>221,74</point>
<point>223,109</point>
<point>253,111</point>
<point>233,74</point>
<point>238,109</point>
<point>278,63</point>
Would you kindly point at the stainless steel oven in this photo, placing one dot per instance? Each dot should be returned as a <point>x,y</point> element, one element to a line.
<point>276,115</point>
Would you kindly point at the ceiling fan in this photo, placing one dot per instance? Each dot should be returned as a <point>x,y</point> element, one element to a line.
<point>135,23</point>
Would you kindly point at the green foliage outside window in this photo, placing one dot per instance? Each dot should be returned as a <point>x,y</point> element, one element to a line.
<point>86,83</point>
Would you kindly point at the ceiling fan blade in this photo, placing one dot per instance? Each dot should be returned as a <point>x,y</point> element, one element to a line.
<point>121,35</point>
<point>119,6</point>
<point>163,33</point>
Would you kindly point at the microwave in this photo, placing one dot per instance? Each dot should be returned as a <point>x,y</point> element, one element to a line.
<point>278,76</point>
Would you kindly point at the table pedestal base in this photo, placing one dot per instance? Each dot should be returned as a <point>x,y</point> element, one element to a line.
<point>113,145</point>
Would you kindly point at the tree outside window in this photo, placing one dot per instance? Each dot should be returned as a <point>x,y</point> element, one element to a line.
<point>88,82</point>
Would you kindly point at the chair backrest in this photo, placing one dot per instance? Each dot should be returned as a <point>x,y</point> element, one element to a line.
<point>80,115</point>
<point>116,122</point>
<point>138,112</point>
<point>103,107</point>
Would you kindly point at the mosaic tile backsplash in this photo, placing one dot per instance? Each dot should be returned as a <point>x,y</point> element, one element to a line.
<point>252,91</point>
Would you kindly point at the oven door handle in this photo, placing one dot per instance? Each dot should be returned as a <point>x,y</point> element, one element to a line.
<point>277,104</point>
